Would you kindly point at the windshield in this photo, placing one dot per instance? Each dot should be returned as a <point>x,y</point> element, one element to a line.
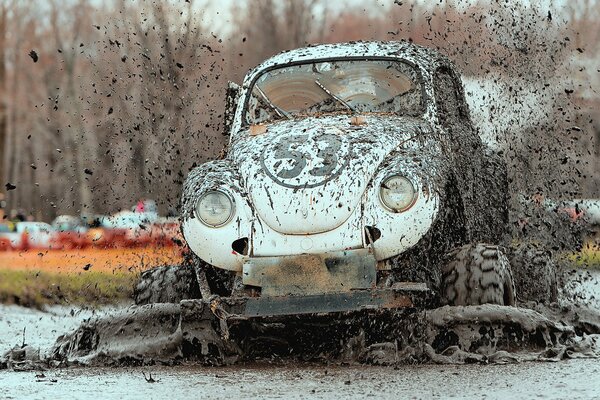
<point>365,86</point>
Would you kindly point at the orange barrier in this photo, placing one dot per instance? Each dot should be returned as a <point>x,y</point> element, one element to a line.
<point>101,260</point>
<point>5,244</point>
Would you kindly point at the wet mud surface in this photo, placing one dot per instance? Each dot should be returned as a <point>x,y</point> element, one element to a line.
<point>172,334</point>
<point>165,348</point>
<point>569,378</point>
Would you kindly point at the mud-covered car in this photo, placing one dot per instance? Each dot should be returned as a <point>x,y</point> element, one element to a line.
<point>354,179</point>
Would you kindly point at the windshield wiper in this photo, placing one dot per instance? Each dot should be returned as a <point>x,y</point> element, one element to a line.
<point>278,111</point>
<point>334,96</point>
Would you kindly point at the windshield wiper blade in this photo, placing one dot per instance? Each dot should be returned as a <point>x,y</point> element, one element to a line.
<point>334,96</point>
<point>278,111</point>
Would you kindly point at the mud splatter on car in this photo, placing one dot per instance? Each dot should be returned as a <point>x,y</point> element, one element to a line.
<point>349,220</point>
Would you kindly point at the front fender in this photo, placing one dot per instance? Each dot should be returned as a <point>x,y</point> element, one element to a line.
<point>401,231</point>
<point>214,245</point>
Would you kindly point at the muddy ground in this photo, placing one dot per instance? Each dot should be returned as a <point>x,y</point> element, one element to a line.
<point>491,377</point>
<point>573,379</point>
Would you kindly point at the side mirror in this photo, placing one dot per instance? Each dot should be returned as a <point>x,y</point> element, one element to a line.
<point>232,95</point>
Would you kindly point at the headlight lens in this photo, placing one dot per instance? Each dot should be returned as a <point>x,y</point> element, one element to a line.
<point>397,193</point>
<point>214,208</point>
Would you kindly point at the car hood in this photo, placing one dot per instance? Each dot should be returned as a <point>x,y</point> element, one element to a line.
<point>309,175</point>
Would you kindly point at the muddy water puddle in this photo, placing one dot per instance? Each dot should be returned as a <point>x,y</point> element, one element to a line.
<point>41,328</point>
<point>278,381</point>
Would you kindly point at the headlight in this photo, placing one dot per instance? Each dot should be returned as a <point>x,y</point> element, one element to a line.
<point>214,208</point>
<point>397,193</point>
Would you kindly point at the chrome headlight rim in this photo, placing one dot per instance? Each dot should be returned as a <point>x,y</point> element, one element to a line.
<point>409,205</point>
<point>220,192</point>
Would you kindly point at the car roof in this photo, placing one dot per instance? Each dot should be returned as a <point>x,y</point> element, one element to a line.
<point>405,50</point>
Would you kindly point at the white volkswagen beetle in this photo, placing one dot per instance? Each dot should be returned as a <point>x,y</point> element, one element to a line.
<point>353,180</point>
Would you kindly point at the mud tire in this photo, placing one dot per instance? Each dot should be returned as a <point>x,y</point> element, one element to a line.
<point>166,284</point>
<point>535,274</point>
<point>477,274</point>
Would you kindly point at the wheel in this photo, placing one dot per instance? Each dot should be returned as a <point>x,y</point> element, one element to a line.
<point>535,273</point>
<point>477,274</point>
<point>173,283</point>
<point>166,284</point>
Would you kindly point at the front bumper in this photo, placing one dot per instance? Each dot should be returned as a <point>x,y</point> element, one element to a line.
<point>335,282</point>
<point>415,296</point>
<point>403,295</point>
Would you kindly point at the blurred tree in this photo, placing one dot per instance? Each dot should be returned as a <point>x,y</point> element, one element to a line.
<point>267,27</point>
<point>127,95</point>
<point>3,100</point>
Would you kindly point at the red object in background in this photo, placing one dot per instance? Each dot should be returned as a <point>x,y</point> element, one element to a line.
<point>69,240</point>
<point>109,238</point>
<point>165,234</point>
<point>140,206</point>
<point>5,244</point>
<point>574,213</point>
<point>24,245</point>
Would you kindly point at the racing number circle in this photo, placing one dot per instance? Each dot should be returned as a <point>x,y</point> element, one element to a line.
<point>307,159</point>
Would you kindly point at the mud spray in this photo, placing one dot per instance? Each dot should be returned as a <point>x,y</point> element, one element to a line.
<point>543,159</point>
<point>190,332</point>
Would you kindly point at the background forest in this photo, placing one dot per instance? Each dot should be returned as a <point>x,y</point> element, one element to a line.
<point>106,102</point>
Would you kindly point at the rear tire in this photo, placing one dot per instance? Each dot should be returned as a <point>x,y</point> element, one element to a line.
<point>535,274</point>
<point>477,274</point>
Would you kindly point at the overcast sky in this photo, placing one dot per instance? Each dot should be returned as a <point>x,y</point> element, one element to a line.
<point>218,12</point>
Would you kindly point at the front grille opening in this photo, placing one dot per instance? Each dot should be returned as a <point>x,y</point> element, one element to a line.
<point>371,234</point>
<point>240,246</point>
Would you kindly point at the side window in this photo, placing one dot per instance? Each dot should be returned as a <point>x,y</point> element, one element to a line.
<point>449,101</point>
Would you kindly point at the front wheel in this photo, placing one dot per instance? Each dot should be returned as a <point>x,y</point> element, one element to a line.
<point>173,283</point>
<point>166,284</point>
<point>477,274</point>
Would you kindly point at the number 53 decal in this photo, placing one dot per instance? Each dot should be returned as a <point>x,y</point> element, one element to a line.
<point>305,160</point>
